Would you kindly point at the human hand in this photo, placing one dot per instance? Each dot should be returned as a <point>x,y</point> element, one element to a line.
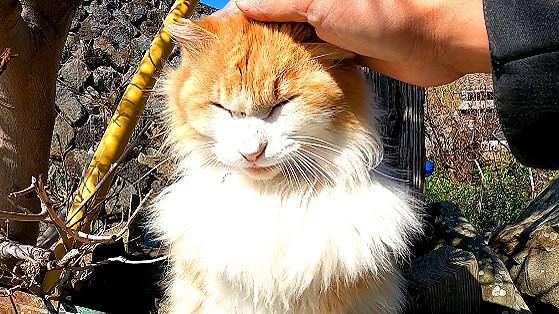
<point>423,42</point>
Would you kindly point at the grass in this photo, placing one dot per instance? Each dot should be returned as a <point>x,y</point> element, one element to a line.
<point>493,197</point>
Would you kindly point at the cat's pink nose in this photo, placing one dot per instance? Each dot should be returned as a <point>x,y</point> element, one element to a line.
<point>255,155</point>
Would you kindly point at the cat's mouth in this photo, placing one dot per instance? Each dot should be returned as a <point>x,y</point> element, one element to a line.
<point>261,173</point>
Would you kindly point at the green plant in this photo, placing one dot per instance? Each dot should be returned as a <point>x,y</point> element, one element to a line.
<point>496,196</point>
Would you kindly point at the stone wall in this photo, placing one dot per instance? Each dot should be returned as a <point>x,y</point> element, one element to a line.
<point>106,42</point>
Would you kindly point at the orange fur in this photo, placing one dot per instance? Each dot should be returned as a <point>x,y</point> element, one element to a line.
<point>239,56</point>
<point>234,73</point>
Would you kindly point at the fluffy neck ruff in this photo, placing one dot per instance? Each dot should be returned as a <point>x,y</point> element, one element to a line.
<point>271,244</point>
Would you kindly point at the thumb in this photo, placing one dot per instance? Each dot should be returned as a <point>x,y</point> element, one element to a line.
<point>275,10</point>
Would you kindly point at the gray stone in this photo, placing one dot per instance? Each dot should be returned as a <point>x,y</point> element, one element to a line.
<point>162,166</point>
<point>138,48</point>
<point>530,248</point>
<point>76,162</point>
<point>81,14</point>
<point>151,25</point>
<point>118,35</point>
<point>65,132</point>
<point>104,78</point>
<point>69,106</point>
<point>121,192</point>
<point>135,10</point>
<point>106,54</point>
<point>95,23</point>
<point>443,281</point>
<point>456,231</point>
<point>74,73</point>
<point>91,133</point>
<point>125,22</point>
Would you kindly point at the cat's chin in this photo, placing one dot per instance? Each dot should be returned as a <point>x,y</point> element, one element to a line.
<point>261,173</point>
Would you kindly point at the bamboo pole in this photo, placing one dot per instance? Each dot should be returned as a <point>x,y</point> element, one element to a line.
<point>118,133</point>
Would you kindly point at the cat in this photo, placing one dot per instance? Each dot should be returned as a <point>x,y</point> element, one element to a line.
<point>275,208</point>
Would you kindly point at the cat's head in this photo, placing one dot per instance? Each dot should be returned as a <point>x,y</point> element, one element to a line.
<point>263,99</point>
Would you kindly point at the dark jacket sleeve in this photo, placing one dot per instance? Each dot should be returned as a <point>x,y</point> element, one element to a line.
<point>524,45</point>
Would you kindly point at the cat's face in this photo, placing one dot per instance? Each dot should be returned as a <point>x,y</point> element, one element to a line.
<point>260,99</point>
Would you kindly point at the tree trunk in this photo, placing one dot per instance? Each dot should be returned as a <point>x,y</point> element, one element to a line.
<point>36,31</point>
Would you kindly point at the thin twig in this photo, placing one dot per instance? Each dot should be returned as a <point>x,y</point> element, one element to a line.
<point>120,259</point>
<point>108,175</point>
<point>532,185</point>
<point>26,215</point>
<point>79,235</point>
<point>5,58</point>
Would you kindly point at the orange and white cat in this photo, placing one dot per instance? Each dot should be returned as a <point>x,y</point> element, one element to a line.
<point>276,209</point>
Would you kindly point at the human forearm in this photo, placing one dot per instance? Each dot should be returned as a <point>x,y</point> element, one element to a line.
<point>425,42</point>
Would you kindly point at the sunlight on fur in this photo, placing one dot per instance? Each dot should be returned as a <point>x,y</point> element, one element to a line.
<point>275,209</point>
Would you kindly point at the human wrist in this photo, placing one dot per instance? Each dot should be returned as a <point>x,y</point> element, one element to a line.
<point>458,32</point>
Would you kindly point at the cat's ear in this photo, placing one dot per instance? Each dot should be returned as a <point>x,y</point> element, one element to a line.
<point>327,52</point>
<point>192,36</point>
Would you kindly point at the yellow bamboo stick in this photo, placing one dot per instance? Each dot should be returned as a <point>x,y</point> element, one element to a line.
<point>119,132</point>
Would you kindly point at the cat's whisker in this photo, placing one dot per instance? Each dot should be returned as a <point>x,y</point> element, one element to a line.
<point>303,173</point>
<point>326,160</point>
<point>284,173</point>
<point>296,178</point>
<point>321,143</point>
<point>311,167</point>
<point>323,174</point>
<point>325,177</point>
<point>339,62</point>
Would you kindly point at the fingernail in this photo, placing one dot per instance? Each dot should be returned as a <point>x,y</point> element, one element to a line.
<point>241,4</point>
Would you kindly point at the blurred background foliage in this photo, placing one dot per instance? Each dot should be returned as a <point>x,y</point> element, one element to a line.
<point>473,166</point>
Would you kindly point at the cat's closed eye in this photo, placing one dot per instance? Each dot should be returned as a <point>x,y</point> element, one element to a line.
<point>279,105</point>
<point>220,106</point>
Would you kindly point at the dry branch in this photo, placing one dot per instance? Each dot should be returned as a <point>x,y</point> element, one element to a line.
<point>5,58</point>
<point>11,249</point>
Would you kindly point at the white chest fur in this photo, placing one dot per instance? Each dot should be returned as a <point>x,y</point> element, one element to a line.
<point>271,250</point>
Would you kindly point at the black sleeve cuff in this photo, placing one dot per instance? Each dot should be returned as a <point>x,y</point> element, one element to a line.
<point>524,44</point>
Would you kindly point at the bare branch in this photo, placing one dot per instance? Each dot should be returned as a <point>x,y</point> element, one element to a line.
<point>120,259</point>
<point>6,56</point>
<point>11,249</point>
<point>26,215</point>
<point>78,235</point>
<point>114,167</point>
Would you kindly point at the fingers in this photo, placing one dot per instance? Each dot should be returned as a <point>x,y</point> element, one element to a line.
<point>230,8</point>
<point>276,10</point>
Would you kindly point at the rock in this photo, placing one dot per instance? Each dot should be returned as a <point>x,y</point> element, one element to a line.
<point>95,23</point>
<point>118,35</point>
<point>151,25</point>
<point>104,78</point>
<point>447,276</point>
<point>23,302</point>
<point>65,132</point>
<point>122,192</point>
<point>530,249</point>
<point>81,14</point>
<point>135,10</point>
<point>69,106</point>
<point>202,10</point>
<point>91,133</point>
<point>161,165</point>
<point>124,20</point>
<point>498,290</point>
<point>138,48</point>
<point>74,73</point>
<point>106,54</point>
<point>76,161</point>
